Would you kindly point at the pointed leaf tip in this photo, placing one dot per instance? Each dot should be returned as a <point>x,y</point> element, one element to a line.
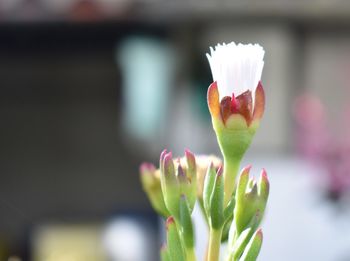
<point>213,100</point>
<point>147,167</point>
<point>259,234</point>
<point>168,165</point>
<point>259,104</point>
<point>190,157</point>
<point>220,169</point>
<point>252,250</point>
<point>264,178</point>
<point>162,154</point>
<point>246,170</point>
<point>188,153</point>
<point>219,173</point>
<point>264,174</point>
<point>264,184</point>
<point>169,222</point>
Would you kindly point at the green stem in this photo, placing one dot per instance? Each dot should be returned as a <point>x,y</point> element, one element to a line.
<point>189,251</point>
<point>214,244</point>
<point>201,204</point>
<point>231,168</point>
<point>190,254</point>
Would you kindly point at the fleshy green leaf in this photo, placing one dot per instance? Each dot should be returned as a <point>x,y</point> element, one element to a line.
<point>170,185</point>
<point>216,216</point>
<point>208,187</point>
<point>173,240</point>
<point>239,244</point>
<point>186,223</point>
<point>252,250</point>
<point>228,212</point>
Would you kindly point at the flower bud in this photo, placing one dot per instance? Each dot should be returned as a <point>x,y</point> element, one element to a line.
<point>150,179</point>
<point>203,163</point>
<point>187,170</point>
<point>251,198</point>
<point>178,177</point>
<point>169,183</point>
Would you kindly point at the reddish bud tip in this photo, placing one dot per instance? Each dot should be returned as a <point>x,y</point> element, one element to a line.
<point>219,175</point>
<point>259,234</point>
<point>263,177</point>
<point>264,184</point>
<point>246,170</point>
<point>168,164</point>
<point>190,158</point>
<point>147,167</point>
<point>188,153</point>
<point>220,171</point>
<point>162,154</point>
<point>264,174</point>
<point>169,222</point>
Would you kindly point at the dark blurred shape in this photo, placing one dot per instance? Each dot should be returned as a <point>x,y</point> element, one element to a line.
<point>62,153</point>
<point>85,10</point>
<point>14,258</point>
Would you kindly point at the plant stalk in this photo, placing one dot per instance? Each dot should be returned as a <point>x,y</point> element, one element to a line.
<point>190,254</point>
<point>231,168</point>
<point>214,244</point>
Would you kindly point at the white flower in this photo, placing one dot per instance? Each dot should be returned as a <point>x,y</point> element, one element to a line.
<point>236,68</point>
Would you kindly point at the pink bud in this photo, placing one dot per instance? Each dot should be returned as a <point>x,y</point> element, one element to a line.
<point>170,222</point>
<point>147,167</point>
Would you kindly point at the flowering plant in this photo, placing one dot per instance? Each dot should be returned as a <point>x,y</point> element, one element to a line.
<point>233,208</point>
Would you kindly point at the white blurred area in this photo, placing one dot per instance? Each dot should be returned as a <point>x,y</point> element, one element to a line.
<point>298,225</point>
<point>127,240</point>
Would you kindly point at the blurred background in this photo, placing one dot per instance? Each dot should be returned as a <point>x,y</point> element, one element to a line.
<point>89,89</point>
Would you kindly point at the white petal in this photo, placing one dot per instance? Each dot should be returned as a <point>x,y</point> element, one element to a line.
<point>236,68</point>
